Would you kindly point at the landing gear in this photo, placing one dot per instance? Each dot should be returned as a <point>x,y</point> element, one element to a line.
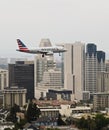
<point>42,55</point>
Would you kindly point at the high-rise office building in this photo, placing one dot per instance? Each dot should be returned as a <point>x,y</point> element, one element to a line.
<point>46,73</point>
<point>94,63</point>
<point>74,65</point>
<point>62,68</point>
<point>107,65</point>
<point>91,68</point>
<point>103,81</point>
<point>52,79</point>
<point>22,75</point>
<point>100,101</point>
<point>101,61</point>
<point>3,79</point>
<point>45,42</point>
<point>42,64</point>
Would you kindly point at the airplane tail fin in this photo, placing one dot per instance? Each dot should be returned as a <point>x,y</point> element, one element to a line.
<point>21,45</point>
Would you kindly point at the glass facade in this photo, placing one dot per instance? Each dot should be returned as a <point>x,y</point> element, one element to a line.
<point>22,75</point>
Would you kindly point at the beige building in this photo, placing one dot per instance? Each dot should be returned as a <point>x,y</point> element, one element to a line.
<point>45,74</point>
<point>103,82</point>
<point>64,110</point>
<point>14,95</point>
<point>42,67</point>
<point>101,100</point>
<point>52,79</point>
<point>107,65</point>
<point>3,78</point>
<point>74,66</point>
<point>49,111</point>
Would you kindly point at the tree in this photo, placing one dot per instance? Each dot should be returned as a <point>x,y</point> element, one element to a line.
<point>101,121</point>
<point>12,116</point>
<point>97,123</point>
<point>82,123</point>
<point>33,112</point>
<point>60,121</point>
<point>19,125</point>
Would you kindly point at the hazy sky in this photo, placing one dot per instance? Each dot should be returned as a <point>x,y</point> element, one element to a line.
<point>59,20</point>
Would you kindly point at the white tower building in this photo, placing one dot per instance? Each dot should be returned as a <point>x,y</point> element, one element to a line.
<point>74,63</point>
<point>42,64</point>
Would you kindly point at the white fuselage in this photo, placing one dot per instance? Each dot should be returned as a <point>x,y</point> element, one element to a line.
<point>45,50</point>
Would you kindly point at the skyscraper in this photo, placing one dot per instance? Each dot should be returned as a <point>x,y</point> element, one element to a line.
<point>91,68</point>
<point>52,79</point>
<point>42,64</point>
<point>103,81</point>
<point>74,60</point>
<point>101,61</point>
<point>22,75</point>
<point>107,65</point>
<point>3,79</point>
<point>95,63</point>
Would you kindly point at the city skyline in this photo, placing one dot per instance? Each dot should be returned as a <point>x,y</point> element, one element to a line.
<point>59,20</point>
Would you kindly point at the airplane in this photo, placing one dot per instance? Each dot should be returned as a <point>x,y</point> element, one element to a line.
<point>40,50</point>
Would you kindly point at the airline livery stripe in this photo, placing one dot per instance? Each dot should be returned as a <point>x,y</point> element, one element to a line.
<point>21,44</point>
<point>24,48</point>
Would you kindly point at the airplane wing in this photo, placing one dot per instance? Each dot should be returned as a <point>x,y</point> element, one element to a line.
<point>45,52</point>
<point>49,53</point>
<point>42,51</point>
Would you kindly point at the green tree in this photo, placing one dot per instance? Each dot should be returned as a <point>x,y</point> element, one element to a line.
<point>33,112</point>
<point>97,123</point>
<point>91,123</point>
<point>12,116</point>
<point>101,121</point>
<point>19,125</point>
<point>82,123</point>
<point>60,121</point>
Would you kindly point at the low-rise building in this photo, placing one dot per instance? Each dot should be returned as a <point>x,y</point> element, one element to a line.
<point>58,94</point>
<point>49,112</point>
<point>101,100</point>
<point>6,125</point>
<point>14,95</point>
<point>64,110</point>
<point>67,110</point>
